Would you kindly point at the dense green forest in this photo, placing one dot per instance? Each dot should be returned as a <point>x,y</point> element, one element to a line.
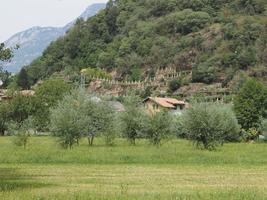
<point>213,38</point>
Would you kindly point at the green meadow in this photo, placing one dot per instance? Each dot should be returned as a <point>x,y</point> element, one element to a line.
<point>176,170</point>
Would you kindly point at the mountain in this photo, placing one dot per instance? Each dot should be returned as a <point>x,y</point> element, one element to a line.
<point>214,40</point>
<point>34,41</point>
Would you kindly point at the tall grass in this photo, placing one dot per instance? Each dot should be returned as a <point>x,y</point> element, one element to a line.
<point>46,150</point>
<point>176,170</point>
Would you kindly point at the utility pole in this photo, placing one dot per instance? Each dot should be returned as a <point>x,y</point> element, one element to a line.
<point>82,82</point>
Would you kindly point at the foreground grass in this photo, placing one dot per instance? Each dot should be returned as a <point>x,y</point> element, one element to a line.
<point>174,171</point>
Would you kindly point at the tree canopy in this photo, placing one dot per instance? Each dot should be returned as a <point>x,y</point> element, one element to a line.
<point>5,53</point>
<point>251,104</point>
<point>137,37</point>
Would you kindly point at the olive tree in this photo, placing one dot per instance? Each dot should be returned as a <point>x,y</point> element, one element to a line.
<point>133,120</point>
<point>68,121</point>
<point>209,125</point>
<point>159,127</point>
<point>100,121</point>
<point>78,115</point>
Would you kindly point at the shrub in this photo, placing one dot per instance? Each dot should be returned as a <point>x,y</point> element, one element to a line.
<point>250,134</point>
<point>147,92</point>
<point>204,73</point>
<point>179,127</point>
<point>22,138</point>
<point>97,73</point>
<point>210,125</point>
<point>246,58</point>
<point>174,85</point>
<point>21,132</point>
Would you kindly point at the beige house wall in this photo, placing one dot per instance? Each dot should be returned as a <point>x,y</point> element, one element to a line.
<point>152,107</point>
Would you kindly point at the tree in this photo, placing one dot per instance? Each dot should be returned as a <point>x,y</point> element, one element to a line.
<point>100,120</point>
<point>68,121</point>
<point>204,73</point>
<point>79,114</point>
<point>21,107</point>
<point>52,90</point>
<point>23,79</point>
<point>209,125</point>
<point>174,85</point>
<point>264,128</point>
<point>48,94</point>
<point>111,13</point>
<point>4,117</point>
<point>185,21</point>
<point>5,53</point>
<point>159,127</point>
<point>252,6</point>
<point>250,104</point>
<point>132,120</point>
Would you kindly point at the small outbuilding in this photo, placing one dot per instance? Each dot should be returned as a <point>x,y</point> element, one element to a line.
<point>156,104</point>
<point>116,106</point>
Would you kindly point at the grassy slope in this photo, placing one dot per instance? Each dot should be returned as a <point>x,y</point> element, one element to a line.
<point>174,171</point>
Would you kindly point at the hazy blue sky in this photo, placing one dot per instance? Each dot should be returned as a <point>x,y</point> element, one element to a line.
<point>19,15</point>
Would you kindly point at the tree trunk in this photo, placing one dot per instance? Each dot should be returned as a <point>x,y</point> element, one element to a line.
<point>133,142</point>
<point>90,140</point>
<point>2,131</point>
<point>204,142</point>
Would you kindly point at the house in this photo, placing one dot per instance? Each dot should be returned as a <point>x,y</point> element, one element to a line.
<point>156,104</point>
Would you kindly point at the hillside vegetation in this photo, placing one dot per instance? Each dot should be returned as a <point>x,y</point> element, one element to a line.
<point>133,38</point>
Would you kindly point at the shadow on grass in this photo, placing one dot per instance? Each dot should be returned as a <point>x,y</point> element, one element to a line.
<point>11,179</point>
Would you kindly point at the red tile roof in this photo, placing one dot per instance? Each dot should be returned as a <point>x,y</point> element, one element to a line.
<point>166,102</point>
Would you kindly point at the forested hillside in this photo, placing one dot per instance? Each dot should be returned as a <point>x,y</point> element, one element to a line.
<point>133,38</point>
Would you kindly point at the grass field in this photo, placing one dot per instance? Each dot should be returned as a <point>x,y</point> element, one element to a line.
<point>174,171</point>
